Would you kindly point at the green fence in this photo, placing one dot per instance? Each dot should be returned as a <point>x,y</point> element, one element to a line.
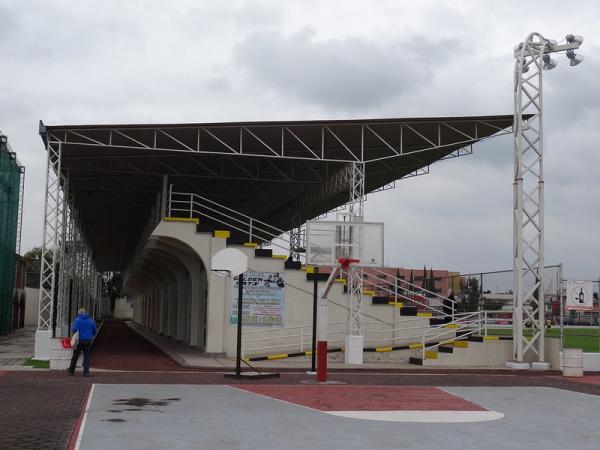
<point>10,178</point>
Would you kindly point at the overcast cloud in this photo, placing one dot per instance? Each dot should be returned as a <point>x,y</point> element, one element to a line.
<point>196,61</point>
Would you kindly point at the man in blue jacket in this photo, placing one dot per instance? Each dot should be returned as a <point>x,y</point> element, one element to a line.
<point>87,330</point>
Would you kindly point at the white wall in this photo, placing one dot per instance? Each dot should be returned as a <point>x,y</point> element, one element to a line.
<point>32,302</point>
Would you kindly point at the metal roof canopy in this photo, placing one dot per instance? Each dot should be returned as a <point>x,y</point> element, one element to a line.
<point>269,170</point>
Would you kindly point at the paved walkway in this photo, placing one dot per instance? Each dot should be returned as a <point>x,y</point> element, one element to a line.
<point>16,348</point>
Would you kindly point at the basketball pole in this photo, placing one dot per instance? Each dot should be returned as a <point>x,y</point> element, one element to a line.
<point>313,356</point>
<point>238,356</point>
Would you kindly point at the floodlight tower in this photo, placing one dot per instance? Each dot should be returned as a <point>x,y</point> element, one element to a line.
<point>532,57</point>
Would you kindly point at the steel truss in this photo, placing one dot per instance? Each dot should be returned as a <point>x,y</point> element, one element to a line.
<point>528,194</point>
<point>68,277</point>
<point>355,272</point>
<point>258,141</point>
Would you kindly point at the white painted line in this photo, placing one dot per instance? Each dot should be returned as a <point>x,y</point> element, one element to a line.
<point>421,416</point>
<point>85,414</point>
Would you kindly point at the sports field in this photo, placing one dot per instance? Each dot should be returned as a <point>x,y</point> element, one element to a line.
<point>585,338</point>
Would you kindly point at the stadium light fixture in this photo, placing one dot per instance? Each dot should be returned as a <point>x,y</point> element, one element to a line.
<point>549,63</point>
<point>574,39</point>
<point>532,56</point>
<point>575,59</point>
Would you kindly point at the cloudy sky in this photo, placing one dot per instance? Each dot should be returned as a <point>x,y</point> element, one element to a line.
<point>68,62</point>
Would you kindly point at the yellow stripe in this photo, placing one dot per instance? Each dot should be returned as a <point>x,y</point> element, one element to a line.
<point>451,325</point>
<point>431,354</point>
<point>250,244</point>
<point>369,293</point>
<point>424,314</point>
<point>310,269</point>
<point>279,256</point>
<point>222,233</point>
<point>280,356</point>
<point>340,280</point>
<point>415,345</point>
<point>383,349</point>
<point>491,338</point>
<point>308,353</point>
<point>461,344</point>
<point>182,219</point>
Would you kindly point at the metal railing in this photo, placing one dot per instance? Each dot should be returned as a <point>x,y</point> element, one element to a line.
<point>466,323</point>
<point>190,205</point>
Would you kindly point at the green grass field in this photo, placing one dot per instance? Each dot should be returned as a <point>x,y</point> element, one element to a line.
<point>37,364</point>
<point>584,338</point>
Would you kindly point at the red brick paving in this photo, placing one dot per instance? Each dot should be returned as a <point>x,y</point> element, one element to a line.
<point>118,347</point>
<point>40,408</point>
<point>366,398</point>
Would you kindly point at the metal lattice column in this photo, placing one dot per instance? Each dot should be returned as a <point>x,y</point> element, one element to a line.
<point>528,191</point>
<point>51,234</point>
<point>355,274</point>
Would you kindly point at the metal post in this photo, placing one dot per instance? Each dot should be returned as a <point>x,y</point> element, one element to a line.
<point>238,357</point>
<point>163,196</point>
<point>313,356</point>
<point>562,312</point>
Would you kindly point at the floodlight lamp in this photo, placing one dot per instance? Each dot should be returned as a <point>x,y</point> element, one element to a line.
<point>517,50</point>
<point>551,43</point>
<point>574,39</point>
<point>549,63</point>
<point>576,59</point>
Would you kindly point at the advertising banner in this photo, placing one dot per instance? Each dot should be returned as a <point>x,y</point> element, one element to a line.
<point>579,296</point>
<point>264,299</point>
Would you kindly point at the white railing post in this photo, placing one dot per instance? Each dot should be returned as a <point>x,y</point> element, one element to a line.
<point>423,348</point>
<point>191,205</point>
<point>485,323</point>
<point>250,232</point>
<point>302,338</point>
<point>170,198</point>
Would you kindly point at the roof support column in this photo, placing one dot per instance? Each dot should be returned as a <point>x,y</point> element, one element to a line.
<point>355,339</point>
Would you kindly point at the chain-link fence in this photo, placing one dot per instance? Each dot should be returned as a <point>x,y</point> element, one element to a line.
<point>10,181</point>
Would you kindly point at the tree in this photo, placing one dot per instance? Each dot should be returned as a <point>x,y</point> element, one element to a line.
<point>33,262</point>
<point>471,297</point>
<point>112,283</point>
<point>431,281</point>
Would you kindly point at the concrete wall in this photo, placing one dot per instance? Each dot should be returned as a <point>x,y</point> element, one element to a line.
<point>32,302</point>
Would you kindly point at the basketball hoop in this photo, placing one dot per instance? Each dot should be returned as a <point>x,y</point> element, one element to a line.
<point>345,262</point>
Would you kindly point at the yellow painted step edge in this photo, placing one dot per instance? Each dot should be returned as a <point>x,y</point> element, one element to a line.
<point>424,314</point>
<point>415,345</point>
<point>431,354</point>
<point>383,349</point>
<point>369,293</point>
<point>250,244</point>
<point>222,233</point>
<point>340,280</point>
<point>491,338</point>
<point>461,344</point>
<point>279,256</point>
<point>310,269</point>
<point>182,219</point>
<point>451,325</point>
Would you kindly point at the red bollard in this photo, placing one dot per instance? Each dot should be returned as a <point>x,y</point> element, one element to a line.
<point>322,361</point>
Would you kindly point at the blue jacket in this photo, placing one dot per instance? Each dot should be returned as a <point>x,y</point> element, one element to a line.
<point>85,326</point>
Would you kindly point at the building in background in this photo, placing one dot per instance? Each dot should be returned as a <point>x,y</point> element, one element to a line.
<point>12,274</point>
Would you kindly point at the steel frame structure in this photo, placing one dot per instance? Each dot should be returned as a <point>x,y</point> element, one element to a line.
<point>342,149</point>
<point>355,271</point>
<point>528,193</point>
<point>67,270</point>
<point>169,139</point>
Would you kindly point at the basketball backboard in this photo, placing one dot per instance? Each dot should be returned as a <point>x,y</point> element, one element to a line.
<point>327,242</point>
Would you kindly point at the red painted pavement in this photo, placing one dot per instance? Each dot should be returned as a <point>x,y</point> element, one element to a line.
<point>365,398</point>
<point>118,347</point>
<point>586,379</point>
<point>2,372</point>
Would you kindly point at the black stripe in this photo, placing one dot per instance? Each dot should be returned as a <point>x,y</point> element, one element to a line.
<point>258,358</point>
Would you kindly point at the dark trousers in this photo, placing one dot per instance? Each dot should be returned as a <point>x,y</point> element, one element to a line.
<point>82,346</point>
